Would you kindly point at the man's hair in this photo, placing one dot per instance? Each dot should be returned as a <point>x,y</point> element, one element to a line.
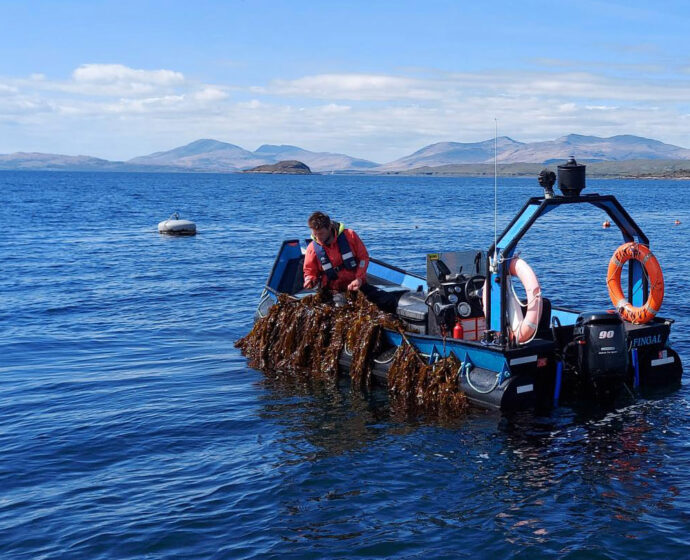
<point>319,220</point>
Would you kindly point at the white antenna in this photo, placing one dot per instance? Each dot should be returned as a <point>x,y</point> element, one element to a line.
<point>494,265</point>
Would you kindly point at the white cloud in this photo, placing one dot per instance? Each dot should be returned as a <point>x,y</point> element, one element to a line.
<point>210,94</point>
<point>354,86</point>
<point>118,73</point>
<point>582,85</point>
<point>7,90</point>
<point>375,116</point>
<point>441,88</point>
<point>600,107</point>
<point>108,80</point>
<point>166,103</point>
<point>333,108</point>
<point>14,105</point>
<point>253,104</point>
<point>566,107</point>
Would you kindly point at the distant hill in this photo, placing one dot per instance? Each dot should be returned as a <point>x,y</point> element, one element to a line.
<point>317,161</point>
<point>448,153</point>
<point>213,156</point>
<point>638,168</point>
<point>32,161</point>
<point>591,148</point>
<point>205,155</point>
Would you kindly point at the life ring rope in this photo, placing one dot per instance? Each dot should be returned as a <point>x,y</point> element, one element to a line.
<point>652,273</point>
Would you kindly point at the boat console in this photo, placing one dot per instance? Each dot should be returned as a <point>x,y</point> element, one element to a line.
<point>455,282</point>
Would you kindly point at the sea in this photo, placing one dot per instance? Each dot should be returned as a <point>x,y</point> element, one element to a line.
<point>131,427</point>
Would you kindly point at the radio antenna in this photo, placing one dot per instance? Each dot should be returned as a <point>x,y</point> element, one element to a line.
<point>495,263</point>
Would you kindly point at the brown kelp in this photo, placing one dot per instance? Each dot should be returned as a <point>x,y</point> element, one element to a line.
<point>306,337</point>
<point>419,389</point>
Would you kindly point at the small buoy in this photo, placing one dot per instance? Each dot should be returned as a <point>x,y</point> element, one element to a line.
<point>174,226</point>
<point>676,223</point>
<point>606,224</point>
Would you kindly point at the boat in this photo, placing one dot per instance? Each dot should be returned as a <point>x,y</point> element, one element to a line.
<point>521,354</point>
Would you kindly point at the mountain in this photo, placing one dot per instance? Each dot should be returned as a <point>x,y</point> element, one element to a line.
<point>34,161</point>
<point>632,168</point>
<point>593,148</point>
<point>584,148</point>
<point>317,161</point>
<point>220,157</point>
<point>205,155</point>
<point>212,155</point>
<point>448,153</point>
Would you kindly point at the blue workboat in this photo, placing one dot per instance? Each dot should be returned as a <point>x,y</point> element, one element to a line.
<point>517,352</point>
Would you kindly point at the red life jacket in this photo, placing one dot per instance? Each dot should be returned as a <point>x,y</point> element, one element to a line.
<point>349,260</point>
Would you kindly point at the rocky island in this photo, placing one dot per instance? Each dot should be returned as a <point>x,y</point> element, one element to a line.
<point>291,166</point>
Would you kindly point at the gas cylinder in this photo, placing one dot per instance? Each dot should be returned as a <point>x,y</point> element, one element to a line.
<point>458,331</point>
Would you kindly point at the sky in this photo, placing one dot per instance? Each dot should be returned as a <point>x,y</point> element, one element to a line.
<point>373,79</point>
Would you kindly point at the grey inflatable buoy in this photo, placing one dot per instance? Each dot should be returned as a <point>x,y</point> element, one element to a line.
<point>174,226</point>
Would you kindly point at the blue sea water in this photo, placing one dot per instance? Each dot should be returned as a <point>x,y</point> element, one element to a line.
<point>130,427</point>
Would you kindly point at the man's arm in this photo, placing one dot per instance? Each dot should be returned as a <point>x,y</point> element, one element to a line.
<point>362,255</point>
<point>311,267</point>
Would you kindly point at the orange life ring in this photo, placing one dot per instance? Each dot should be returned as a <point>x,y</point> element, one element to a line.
<point>642,254</point>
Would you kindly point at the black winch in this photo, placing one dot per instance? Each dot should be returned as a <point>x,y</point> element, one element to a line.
<point>571,178</point>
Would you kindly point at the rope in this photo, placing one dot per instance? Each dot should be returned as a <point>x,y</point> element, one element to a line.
<point>468,366</point>
<point>389,360</point>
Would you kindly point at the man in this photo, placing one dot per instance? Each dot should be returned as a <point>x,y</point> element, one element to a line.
<point>337,259</point>
<point>324,262</point>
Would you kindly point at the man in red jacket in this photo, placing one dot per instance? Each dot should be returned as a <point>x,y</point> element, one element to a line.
<point>337,259</point>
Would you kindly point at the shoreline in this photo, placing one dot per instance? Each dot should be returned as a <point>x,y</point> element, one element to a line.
<point>477,175</point>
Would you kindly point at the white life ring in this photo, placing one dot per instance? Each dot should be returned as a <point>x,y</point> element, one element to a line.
<point>522,326</point>
<point>525,327</point>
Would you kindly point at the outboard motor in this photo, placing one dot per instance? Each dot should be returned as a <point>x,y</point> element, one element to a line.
<point>602,355</point>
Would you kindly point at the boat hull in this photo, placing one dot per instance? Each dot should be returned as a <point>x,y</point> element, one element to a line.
<point>532,377</point>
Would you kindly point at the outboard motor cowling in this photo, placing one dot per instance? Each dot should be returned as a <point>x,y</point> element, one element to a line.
<point>602,353</point>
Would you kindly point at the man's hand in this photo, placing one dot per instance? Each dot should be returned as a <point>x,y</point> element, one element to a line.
<point>309,282</point>
<point>356,284</point>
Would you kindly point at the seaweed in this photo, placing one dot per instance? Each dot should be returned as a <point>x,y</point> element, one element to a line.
<point>418,389</point>
<point>304,339</point>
